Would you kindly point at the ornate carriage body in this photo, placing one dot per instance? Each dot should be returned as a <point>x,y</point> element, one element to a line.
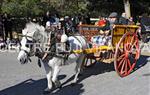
<point>123,51</point>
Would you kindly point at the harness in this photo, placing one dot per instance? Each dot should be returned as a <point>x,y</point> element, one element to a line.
<point>51,49</point>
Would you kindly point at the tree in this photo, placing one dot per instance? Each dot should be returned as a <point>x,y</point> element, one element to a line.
<point>127,8</point>
<point>1,2</point>
<point>71,7</point>
<point>106,6</point>
<point>21,7</point>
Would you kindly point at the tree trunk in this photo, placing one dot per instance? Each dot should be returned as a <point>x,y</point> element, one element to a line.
<point>127,8</point>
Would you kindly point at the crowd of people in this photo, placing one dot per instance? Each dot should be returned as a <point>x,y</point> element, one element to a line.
<point>5,27</point>
<point>67,22</point>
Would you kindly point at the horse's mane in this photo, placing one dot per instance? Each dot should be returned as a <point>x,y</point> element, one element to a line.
<point>33,27</point>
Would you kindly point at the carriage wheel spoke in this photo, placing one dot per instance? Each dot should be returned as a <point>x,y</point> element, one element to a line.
<point>126,67</point>
<point>128,41</point>
<point>133,65</point>
<point>128,61</point>
<point>128,46</point>
<point>134,44</point>
<point>122,68</point>
<point>129,38</point>
<point>121,57</point>
<point>132,39</point>
<point>121,50</point>
<point>120,63</point>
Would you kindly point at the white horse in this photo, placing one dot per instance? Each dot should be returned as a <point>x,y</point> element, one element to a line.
<point>34,33</point>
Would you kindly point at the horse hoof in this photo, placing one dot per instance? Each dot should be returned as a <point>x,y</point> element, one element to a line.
<point>60,87</point>
<point>73,84</point>
<point>47,91</point>
<point>80,75</point>
<point>57,84</point>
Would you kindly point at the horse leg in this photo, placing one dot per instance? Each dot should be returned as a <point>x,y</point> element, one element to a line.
<point>78,68</point>
<point>55,80</point>
<point>48,70</point>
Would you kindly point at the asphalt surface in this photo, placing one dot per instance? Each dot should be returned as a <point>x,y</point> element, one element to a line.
<point>101,79</point>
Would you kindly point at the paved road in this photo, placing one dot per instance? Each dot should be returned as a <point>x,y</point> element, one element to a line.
<point>29,79</point>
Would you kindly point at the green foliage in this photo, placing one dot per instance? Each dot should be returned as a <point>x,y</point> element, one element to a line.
<point>21,7</point>
<point>104,7</point>
<point>37,7</point>
<point>26,8</point>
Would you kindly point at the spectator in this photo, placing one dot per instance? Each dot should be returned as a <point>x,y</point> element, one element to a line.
<point>145,23</point>
<point>57,19</point>
<point>46,18</point>
<point>113,19</point>
<point>130,21</point>
<point>123,19</point>
<point>87,18</point>
<point>75,22</point>
<point>82,20</point>
<point>68,24</point>
<point>8,26</point>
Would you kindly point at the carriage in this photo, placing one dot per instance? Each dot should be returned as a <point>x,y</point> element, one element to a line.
<point>124,50</point>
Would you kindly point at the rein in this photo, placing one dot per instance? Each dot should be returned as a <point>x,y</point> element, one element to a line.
<point>49,42</point>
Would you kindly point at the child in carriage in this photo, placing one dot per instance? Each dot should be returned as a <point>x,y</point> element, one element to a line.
<point>104,38</point>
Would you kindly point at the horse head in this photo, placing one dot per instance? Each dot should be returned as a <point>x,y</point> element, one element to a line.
<point>30,36</point>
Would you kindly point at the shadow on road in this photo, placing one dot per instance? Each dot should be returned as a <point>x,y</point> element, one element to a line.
<point>143,60</point>
<point>98,68</point>
<point>36,87</point>
<point>28,87</point>
<point>101,68</point>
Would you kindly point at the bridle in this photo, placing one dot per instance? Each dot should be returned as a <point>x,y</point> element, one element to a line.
<point>27,45</point>
<point>30,43</point>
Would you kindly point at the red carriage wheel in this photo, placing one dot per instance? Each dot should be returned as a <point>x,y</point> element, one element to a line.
<point>127,53</point>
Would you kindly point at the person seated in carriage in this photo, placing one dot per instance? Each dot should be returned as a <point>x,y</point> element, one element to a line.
<point>104,31</point>
<point>113,20</point>
<point>106,26</point>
